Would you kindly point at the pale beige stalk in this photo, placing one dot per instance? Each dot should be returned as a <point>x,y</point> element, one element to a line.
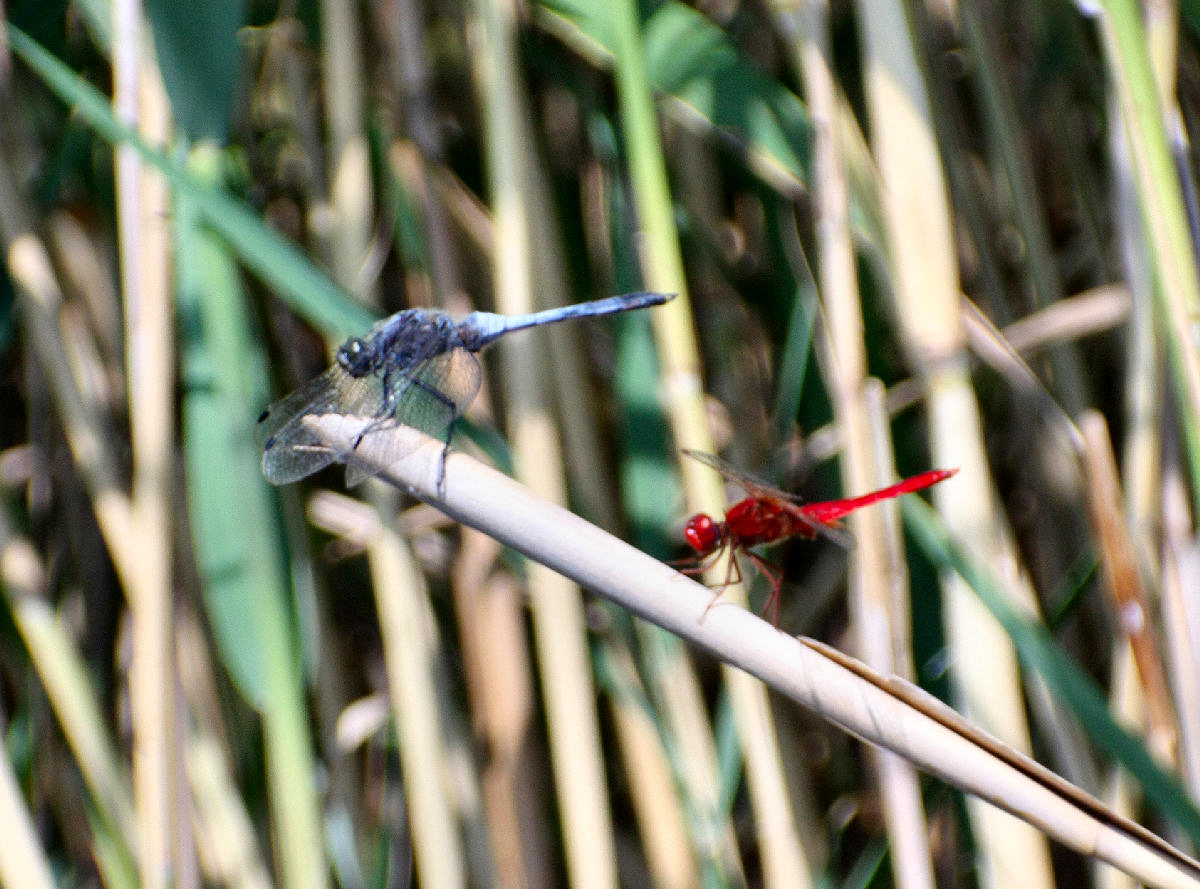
<point>64,677</point>
<point>660,821</point>
<point>411,650</point>
<point>1181,621</point>
<point>926,290</point>
<point>1121,790</point>
<point>783,859</point>
<point>682,396</point>
<point>652,789</point>
<point>873,562</point>
<point>349,164</point>
<point>398,585</point>
<point>142,215</point>
<point>225,839</point>
<point>22,862</point>
<point>406,621</point>
<point>227,844</point>
<point>886,711</point>
<point>490,613</point>
<point>490,626</point>
<point>558,622</point>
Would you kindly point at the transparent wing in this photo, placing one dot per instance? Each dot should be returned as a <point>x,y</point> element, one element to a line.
<point>427,398</point>
<point>748,483</point>
<point>761,490</point>
<point>439,390</point>
<point>291,449</point>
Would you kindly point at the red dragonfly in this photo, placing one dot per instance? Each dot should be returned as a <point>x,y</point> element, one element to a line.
<point>769,515</point>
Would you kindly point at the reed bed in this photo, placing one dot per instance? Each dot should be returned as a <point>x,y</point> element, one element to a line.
<point>899,236</point>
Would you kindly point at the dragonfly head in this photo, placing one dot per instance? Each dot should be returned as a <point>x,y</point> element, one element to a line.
<point>356,357</point>
<point>703,534</point>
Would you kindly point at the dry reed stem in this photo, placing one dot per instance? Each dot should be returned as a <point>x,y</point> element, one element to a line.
<point>489,607</point>
<point>1121,790</point>
<point>227,845</point>
<point>491,637</point>
<point>566,352</point>
<point>64,677</point>
<point>863,437</point>
<point>22,861</point>
<point>1181,622</point>
<point>412,654</point>
<point>165,852</point>
<point>411,651</point>
<point>1130,602</point>
<point>559,627</point>
<point>925,286</point>
<point>882,710</point>
<point>656,803</point>
<point>679,363</point>
<point>225,839</point>
<point>1071,318</point>
<point>886,645</point>
<point>348,159</point>
<point>681,394</point>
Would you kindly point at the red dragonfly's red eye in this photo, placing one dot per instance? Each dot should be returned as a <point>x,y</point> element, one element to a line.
<point>702,534</point>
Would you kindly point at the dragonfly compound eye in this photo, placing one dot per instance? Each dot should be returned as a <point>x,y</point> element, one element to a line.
<point>354,357</point>
<point>702,534</point>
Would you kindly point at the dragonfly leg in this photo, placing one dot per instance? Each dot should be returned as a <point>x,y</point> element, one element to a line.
<point>452,406</point>
<point>733,574</point>
<point>387,407</point>
<point>387,410</point>
<point>441,482</point>
<point>693,566</point>
<point>774,576</point>
<point>697,565</point>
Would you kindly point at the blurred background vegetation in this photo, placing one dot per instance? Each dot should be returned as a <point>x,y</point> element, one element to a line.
<point>902,234</point>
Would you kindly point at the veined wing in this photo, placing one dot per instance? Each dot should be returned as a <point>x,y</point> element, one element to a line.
<point>428,397</point>
<point>293,450</point>
<point>753,486</point>
<point>761,490</point>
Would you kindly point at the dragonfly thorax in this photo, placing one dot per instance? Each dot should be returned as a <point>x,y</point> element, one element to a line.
<point>400,341</point>
<point>703,534</point>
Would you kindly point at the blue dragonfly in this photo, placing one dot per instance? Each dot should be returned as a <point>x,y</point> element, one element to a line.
<point>416,368</point>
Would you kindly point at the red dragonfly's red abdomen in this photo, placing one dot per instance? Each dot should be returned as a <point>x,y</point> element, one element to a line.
<point>832,510</point>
